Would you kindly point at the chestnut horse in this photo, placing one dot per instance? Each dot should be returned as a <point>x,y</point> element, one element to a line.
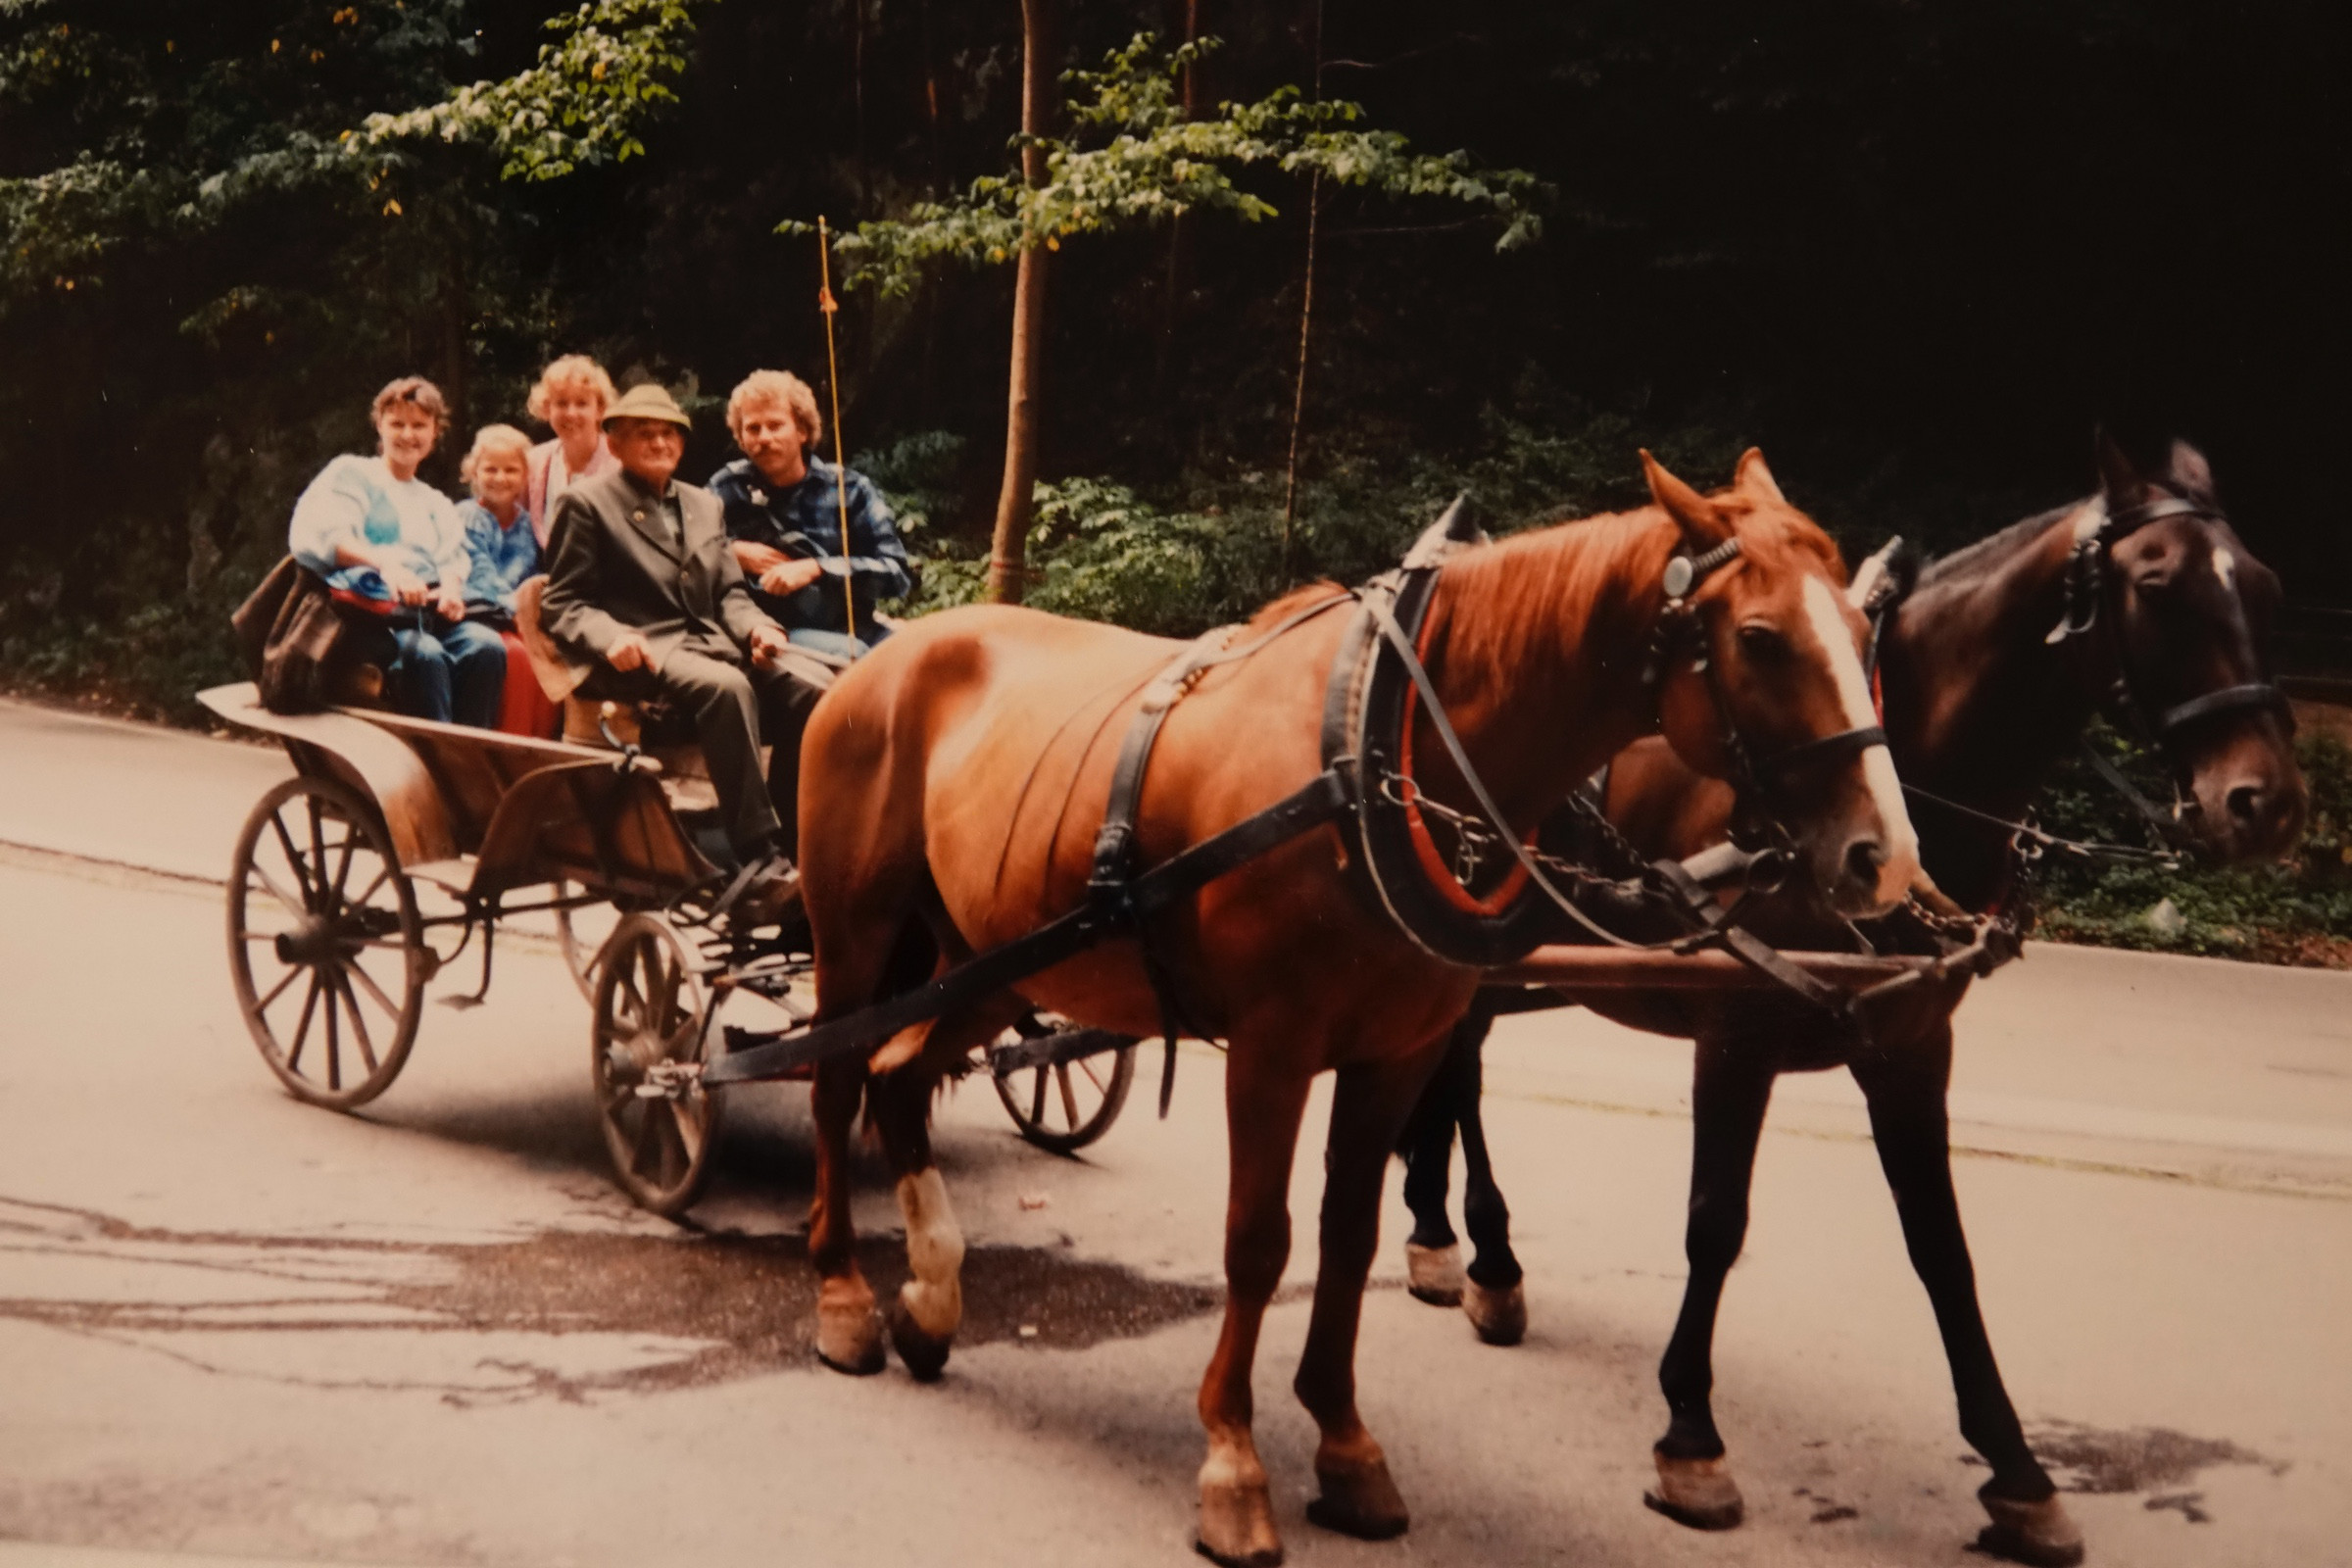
<point>955,777</point>
<point>1982,700</point>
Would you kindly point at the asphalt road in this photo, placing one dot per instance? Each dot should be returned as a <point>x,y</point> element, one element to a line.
<point>433,1333</point>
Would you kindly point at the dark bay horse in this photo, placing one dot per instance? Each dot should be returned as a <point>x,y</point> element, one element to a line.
<point>955,779</point>
<point>1981,699</point>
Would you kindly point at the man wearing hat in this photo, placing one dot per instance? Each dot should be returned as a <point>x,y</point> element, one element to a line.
<point>643,586</point>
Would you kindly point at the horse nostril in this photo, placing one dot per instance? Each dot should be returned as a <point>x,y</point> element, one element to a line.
<point>2245,803</point>
<point>1863,857</point>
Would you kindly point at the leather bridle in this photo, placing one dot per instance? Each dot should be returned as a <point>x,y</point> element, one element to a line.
<point>2089,578</point>
<point>1678,629</point>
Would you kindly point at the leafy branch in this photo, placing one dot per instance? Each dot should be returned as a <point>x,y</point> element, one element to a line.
<point>1133,156</point>
<point>581,104</point>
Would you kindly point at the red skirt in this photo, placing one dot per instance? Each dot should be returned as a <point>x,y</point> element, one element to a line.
<point>525,710</point>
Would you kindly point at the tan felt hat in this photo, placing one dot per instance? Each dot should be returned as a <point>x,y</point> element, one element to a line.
<point>648,400</point>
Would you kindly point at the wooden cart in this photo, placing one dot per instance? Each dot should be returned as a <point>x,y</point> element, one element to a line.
<point>399,842</point>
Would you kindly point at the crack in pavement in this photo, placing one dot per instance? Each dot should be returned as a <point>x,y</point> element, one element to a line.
<point>559,1313</point>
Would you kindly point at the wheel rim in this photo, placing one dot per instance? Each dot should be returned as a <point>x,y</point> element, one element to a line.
<point>325,946</point>
<point>649,1011</point>
<point>1065,1106</point>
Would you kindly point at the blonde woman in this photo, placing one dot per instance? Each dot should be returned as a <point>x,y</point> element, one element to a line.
<point>570,398</point>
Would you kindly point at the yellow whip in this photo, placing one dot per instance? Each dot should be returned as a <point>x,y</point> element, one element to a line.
<point>841,466</point>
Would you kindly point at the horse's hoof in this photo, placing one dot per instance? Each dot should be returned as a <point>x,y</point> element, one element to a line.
<point>848,1336</point>
<point>1237,1524</point>
<point>1500,1316</point>
<point>1362,1502</point>
<point>1434,1274</point>
<point>1698,1493</point>
<point>925,1353</point>
<point>2042,1535</point>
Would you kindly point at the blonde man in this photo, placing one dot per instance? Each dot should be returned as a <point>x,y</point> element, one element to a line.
<point>784,513</point>
<point>570,398</point>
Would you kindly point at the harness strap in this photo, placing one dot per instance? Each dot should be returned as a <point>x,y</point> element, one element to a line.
<point>1107,883</point>
<point>1806,754</point>
<point>2230,698</point>
<point>763,1055</point>
<point>1748,947</point>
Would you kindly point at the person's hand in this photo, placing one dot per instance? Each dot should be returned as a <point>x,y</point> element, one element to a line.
<point>756,557</point>
<point>790,576</point>
<point>767,642</point>
<point>405,585</point>
<point>629,651</point>
<point>451,608</point>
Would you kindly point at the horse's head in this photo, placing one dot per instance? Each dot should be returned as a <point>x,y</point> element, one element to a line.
<point>1763,684</point>
<point>2191,610</point>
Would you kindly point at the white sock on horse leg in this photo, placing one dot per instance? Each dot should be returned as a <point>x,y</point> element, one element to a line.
<point>934,1297</point>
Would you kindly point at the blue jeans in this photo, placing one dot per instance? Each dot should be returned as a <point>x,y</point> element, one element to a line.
<point>456,674</point>
<point>841,645</point>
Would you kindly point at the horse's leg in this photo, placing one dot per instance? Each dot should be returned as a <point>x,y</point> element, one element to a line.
<point>1368,1106</point>
<point>1264,1100</point>
<point>848,1338</point>
<point>923,1320</point>
<point>1731,1085</point>
<point>1910,1122</point>
<point>850,973</point>
<point>1497,1297</point>
<point>1432,1257</point>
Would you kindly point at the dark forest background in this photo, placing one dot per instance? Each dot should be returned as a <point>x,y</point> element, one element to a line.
<point>1916,251</point>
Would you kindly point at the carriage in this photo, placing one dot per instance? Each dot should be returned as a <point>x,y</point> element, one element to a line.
<point>399,843</point>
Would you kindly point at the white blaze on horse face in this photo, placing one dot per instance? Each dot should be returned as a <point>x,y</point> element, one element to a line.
<point>934,1297</point>
<point>1901,869</point>
<point>2225,566</point>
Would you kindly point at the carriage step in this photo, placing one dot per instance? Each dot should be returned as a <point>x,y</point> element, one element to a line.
<point>1047,1051</point>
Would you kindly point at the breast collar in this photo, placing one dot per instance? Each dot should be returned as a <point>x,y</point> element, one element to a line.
<point>1395,863</point>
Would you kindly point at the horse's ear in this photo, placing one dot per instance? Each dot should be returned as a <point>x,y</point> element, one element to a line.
<point>2118,478</point>
<point>1702,520</point>
<point>2188,470</point>
<point>1756,479</point>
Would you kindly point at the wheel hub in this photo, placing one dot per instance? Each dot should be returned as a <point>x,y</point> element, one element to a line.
<point>313,942</point>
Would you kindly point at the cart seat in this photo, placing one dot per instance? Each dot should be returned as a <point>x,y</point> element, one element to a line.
<point>685,776</point>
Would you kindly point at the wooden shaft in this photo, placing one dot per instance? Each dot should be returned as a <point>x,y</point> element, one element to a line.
<point>1580,969</point>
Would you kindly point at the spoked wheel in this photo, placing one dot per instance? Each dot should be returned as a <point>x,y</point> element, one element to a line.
<point>324,943</point>
<point>1065,1106</point>
<point>582,933</point>
<point>651,1012</point>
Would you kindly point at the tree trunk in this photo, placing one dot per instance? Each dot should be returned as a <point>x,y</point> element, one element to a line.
<point>1006,565</point>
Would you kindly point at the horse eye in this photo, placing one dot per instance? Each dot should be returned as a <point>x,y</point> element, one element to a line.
<point>1761,642</point>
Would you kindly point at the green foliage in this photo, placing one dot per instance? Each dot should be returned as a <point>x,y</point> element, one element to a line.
<point>581,104</point>
<point>2296,912</point>
<point>1134,156</point>
<point>919,474</point>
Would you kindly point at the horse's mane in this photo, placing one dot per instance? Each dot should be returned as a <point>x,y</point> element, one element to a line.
<point>1995,549</point>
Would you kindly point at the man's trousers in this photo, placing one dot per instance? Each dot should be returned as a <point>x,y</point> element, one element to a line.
<point>734,708</point>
